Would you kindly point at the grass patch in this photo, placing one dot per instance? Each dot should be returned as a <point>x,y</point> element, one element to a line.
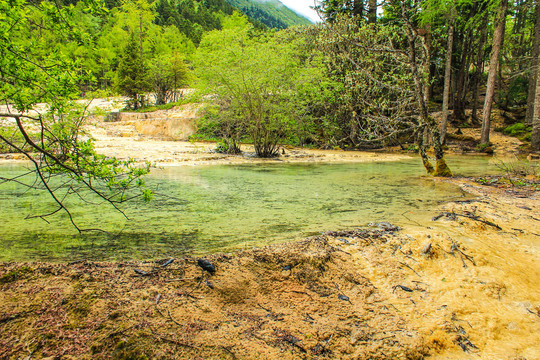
<point>518,167</point>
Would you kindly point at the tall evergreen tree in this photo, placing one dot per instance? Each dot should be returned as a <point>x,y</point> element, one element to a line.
<point>330,9</point>
<point>132,74</point>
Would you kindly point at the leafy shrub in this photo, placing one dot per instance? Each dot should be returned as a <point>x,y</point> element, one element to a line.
<point>228,146</point>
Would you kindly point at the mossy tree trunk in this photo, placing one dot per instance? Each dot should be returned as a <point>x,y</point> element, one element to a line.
<point>427,122</point>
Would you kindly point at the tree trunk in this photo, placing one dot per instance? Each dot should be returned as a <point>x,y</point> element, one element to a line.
<point>426,43</point>
<point>447,75</point>
<point>372,11</point>
<point>358,8</point>
<point>492,75</point>
<point>459,102</point>
<point>518,29</point>
<point>479,67</point>
<point>533,72</point>
<point>441,169</point>
<point>535,139</point>
<point>140,35</point>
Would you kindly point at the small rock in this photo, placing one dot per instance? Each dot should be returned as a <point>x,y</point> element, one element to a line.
<point>343,297</point>
<point>206,265</point>
<point>427,249</point>
<point>512,326</point>
<point>387,226</point>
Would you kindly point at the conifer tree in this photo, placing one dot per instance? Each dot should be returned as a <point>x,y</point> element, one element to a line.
<point>132,75</point>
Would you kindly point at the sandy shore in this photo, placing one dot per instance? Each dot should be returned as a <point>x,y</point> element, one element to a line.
<point>167,153</point>
<point>161,152</point>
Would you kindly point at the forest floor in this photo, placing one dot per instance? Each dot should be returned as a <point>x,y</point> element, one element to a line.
<point>465,284</point>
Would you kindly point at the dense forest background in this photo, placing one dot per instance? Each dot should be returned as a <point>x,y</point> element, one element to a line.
<point>367,76</point>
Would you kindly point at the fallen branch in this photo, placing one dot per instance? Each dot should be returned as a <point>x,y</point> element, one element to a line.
<point>293,341</point>
<point>462,255</point>
<point>453,215</point>
<point>404,288</point>
<point>406,265</point>
<point>173,319</point>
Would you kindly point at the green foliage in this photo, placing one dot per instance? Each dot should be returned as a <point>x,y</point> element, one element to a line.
<point>167,75</point>
<point>518,167</point>
<point>192,18</point>
<point>30,77</point>
<point>132,75</point>
<point>519,130</point>
<point>259,82</point>
<point>209,125</point>
<point>369,99</point>
<point>331,10</point>
<point>486,180</point>
<point>487,148</point>
<point>227,146</point>
<point>151,108</point>
<point>25,83</point>
<point>515,94</point>
<point>13,136</point>
<point>413,148</point>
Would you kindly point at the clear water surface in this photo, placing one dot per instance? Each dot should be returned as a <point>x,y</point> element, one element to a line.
<point>207,209</point>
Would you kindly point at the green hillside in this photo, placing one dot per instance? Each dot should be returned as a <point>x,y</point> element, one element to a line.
<point>271,13</point>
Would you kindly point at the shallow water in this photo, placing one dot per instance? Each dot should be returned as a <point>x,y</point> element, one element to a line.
<point>206,209</point>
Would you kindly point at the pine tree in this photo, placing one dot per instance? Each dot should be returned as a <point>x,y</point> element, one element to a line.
<point>132,74</point>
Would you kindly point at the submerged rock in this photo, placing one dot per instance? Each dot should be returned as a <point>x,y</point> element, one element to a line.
<point>385,226</point>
